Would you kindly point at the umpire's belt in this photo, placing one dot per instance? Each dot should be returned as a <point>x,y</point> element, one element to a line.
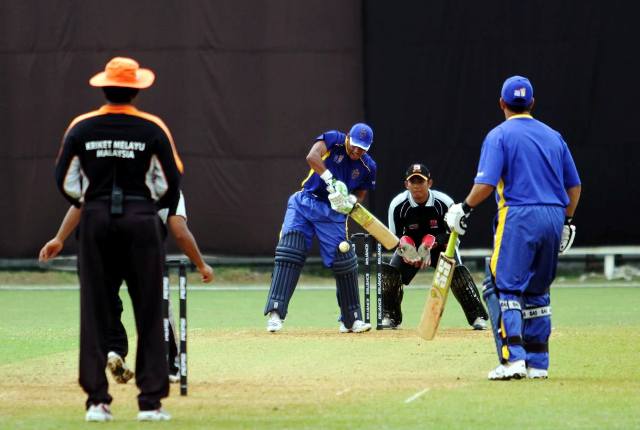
<point>125,198</point>
<point>117,199</point>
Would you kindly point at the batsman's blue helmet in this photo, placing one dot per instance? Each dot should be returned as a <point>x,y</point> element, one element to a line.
<point>361,136</point>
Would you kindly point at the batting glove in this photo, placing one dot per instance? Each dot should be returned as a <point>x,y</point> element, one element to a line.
<point>568,235</point>
<point>348,204</point>
<point>456,217</point>
<point>334,185</point>
<point>336,200</point>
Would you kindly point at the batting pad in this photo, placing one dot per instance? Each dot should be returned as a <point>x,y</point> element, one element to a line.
<point>392,293</point>
<point>345,269</point>
<point>290,256</point>
<point>466,293</point>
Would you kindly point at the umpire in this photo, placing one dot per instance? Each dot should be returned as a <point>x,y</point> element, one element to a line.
<point>119,164</point>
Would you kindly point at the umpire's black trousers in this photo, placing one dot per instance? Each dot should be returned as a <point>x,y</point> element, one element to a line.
<point>130,246</point>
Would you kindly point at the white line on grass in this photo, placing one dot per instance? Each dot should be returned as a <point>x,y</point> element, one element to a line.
<point>341,392</point>
<point>416,395</point>
<point>232,287</point>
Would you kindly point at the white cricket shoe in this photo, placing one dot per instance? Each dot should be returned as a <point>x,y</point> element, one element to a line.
<point>358,327</point>
<point>119,369</point>
<point>504,372</point>
<point>274,324</point>
<point>154,415</point>
<point>389,323</point>
<point>174,377</point>
<point>533,373</point>
<point>98,413</point>
<point>479,324</point>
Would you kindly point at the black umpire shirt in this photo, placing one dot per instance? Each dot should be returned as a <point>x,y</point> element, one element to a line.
<point>118,144</point>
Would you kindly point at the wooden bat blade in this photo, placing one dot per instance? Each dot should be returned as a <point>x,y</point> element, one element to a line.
<point>437,298</point>
<point>374,226</point>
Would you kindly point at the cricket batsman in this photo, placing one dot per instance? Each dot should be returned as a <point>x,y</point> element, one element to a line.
<point>530,168</point>
<point>341,173</point>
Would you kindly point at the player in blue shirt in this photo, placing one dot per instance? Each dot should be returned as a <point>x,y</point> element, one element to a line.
<point>341,173</point>
<point>537,189</point>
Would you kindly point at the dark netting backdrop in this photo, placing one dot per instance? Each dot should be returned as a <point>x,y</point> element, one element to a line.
<point>433,73</point>
<point>245,86</point>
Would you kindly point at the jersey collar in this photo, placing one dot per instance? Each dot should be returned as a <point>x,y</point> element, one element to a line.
<point>520,115</point>
<point>413,203</point>
<point>118,109</point>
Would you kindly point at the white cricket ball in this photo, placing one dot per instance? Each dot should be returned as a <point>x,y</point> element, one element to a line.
<point>344,246</point>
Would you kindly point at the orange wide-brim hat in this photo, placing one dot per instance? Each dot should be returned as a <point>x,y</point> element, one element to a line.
<point>123,72</point>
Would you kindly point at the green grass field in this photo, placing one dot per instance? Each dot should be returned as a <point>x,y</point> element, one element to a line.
<point>311,377</point>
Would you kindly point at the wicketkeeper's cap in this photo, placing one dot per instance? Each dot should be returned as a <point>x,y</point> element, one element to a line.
<point>517,91</point>
<point>417,170</point>
<point>123,72</point>
<point>361,136</point>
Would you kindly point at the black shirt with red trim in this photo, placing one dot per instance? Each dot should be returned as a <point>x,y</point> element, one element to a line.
<point>406,217</point>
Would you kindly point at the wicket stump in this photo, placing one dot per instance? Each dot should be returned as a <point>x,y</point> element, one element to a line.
<point>366,254</point>
<point>166,299</point>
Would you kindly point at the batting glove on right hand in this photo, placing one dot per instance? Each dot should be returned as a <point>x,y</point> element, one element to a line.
<point>337,200</point>
<point>456,217</point>
<point>568,235</point>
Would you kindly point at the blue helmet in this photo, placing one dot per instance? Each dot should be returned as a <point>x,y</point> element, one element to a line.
<point>361,136</point>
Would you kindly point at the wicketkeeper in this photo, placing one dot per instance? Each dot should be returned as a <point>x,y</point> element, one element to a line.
<point>417,215</point>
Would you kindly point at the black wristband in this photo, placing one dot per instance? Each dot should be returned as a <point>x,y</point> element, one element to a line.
<point>466,208</point>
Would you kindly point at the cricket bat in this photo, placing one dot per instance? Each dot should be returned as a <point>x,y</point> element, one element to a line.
<point>437,298</point>
<point>374,226</point>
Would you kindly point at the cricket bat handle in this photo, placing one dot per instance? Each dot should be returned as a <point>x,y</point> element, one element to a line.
<point>451,245</point>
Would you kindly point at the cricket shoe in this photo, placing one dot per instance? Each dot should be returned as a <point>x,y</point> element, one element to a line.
<point>274,323</point>
<point>479,324</point>
<point>533,373</point>
<point>504,372</point>
<point>174,378</point>
<point>154,415</point>
<point>98,413</point>
<point>357,327</point>
<point>121,373</point>
<point>389,323</point>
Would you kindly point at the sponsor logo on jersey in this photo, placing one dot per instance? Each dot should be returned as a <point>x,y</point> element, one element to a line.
<point>413,226</point>
<point>338,158</point>
<point>355,173</point>
<point>433,223</point>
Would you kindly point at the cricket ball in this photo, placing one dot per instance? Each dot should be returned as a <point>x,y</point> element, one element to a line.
<point>344,246</point>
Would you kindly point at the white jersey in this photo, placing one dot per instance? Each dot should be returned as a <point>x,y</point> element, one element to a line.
<point>179,208</point>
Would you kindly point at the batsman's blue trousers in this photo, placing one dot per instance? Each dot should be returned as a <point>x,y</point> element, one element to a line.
<point>523,265</point>
<point>310,216</point>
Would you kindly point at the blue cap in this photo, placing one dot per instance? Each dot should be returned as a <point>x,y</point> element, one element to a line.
<point>361,136</point>
<point>517,91</point>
